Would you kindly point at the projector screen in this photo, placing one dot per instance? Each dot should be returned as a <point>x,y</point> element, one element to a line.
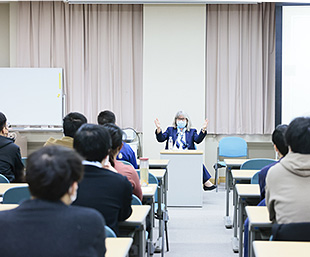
<point>295,62</point>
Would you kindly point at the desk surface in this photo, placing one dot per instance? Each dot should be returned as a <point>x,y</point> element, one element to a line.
<point>158,173</point>
<point>248,190</point>
<point>138,215</point>
<point>181,152</point>
<point>281,249</point>
<point>235,161</point>
<point>149,190</point>
<point>258,216</point>
<point>6,186</point>
<point>118,247</point>
<point>4,207</point>
<point>243,174</point>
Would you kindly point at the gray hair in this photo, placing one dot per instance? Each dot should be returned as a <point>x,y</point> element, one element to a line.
<point>182,113</point>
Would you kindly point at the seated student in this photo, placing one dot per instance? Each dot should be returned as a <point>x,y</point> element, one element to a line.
<point>281,148</point>
<point>287,183</point>
<point>11,165</point>
<point>102,189</point>
<point>126,170</point>
<point>126,153</point>
<point>71,123</point>
<point>47,225</point>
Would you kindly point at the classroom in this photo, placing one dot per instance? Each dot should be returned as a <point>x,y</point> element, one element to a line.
<point>226,61</point>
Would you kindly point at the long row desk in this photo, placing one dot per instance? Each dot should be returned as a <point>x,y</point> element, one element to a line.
<point>258,219</point>
<point>239,176</point>
<point>159,168</point>
<point>245,192</point>
<point>281,249</point>
<point>230,164</point>
<point>118,247</point>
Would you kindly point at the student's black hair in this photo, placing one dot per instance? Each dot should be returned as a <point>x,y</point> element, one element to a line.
<point>298,135</point>
<point>116,135</point>
<point>72,122</point>
<point>93,142</point>
<point>278,138</point>
<point>106,117</point>
<point>52,170</point>
<point>2,121</point>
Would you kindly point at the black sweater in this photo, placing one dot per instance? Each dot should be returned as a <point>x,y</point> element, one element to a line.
<point>11,164</point>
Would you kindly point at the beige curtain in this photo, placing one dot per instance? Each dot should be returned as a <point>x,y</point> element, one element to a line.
<point>240,68</point>
<point>98,46</point>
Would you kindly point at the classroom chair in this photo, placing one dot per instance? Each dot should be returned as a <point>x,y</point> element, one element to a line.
<point>256,164</point>
<point>15,195</point>
<point>109,232</point>
<point>3,179</point>
<point>229,147</point>
<point>254,179</point>
<point>135,200</point>
<point>126,162</point>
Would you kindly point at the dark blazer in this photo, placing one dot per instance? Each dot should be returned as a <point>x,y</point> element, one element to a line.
<point>40,228</point>
<point>106,191</point>
<point>11,164</point>
<point>127,154</point>
<point>191,137</point>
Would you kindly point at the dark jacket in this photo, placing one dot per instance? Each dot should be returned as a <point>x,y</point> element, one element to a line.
<point>40,228</point>
<point>106,191</point>
<point>191,137</point>
<point>11,164</point>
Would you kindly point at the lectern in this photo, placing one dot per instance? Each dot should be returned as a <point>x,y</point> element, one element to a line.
<point>184,177</point>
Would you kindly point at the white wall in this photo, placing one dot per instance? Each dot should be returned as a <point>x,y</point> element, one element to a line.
<point>174,68</point>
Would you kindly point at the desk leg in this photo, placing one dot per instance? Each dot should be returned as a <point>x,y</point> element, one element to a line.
<point>228,223</point>
<point>160,241</point>
<point>250,240</point>
<point>235,243</point>
<point>240,216</point>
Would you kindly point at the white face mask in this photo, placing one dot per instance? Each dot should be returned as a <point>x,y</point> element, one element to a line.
<point>181,123</point>
<point>74,195</point>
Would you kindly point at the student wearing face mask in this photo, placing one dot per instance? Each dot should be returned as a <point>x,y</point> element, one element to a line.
<point>184,137</point>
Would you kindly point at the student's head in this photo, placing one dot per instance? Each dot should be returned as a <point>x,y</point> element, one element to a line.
<point>298,135</point>
<point>72,122</point>
<point>106,117</point>
<point>116,135</point>
<point>93,142</point>
<point>278,138</point>
<point>3,125</point>
<point>182,120</point>
<point>53,172</point>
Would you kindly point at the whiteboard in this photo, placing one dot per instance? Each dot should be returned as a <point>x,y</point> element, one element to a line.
<point>32,96</point>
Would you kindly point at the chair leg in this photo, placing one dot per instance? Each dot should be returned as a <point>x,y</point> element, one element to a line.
<point>216,179</point>
<point>166,232</point>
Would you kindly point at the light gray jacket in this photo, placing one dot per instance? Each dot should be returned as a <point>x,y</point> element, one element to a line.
<point>288,189</point>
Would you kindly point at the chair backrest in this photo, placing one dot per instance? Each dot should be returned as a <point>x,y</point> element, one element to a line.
<point>135,200</point>
<point>291,232</point>
<point>24,161</point>
<point>126,163</point>
<point>256,164</point>
<point>109,232</point>
<point>15,195</point>
<point>232,147</point>
<point>254,179</point>
<point>3,179</point>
